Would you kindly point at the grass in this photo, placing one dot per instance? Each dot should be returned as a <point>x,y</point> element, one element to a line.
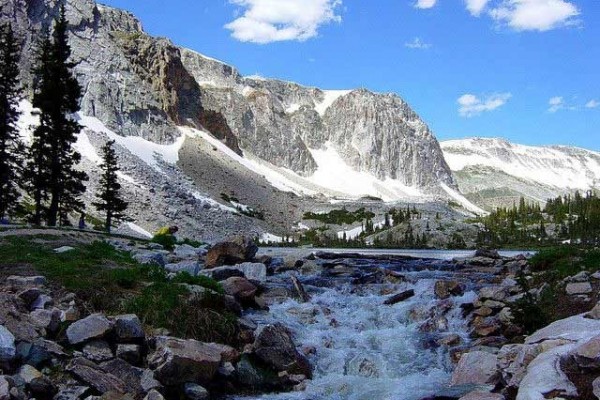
<point>551,266</point>
<point>111,281</point>
<point>566,261</point>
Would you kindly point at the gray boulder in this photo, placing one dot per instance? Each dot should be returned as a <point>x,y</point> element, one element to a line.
<point>98,351</point>
<point>253,271</point>
<point>193,391</point>
<point>132,353</point>
<point>93,327</point>
<point>578,288</point>
<point>476,367</point>
<point>178,361</point>
<point>191,267</point>
<point>97,378</point>
<point>128,327</point>
<point>7,345</point>
<point>4,388</point>
<point>149,258</point>
<point>275,347</point>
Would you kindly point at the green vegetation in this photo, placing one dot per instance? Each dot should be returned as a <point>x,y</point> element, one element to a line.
<point>340,217</point>
<point>111,281</point>
<point>551,266</point>
<point>573,219</point>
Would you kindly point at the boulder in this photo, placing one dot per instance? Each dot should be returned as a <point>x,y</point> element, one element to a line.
<point>587,355</point>
<point>476,367</point>
<point>132,353</point>
<point>29,295</point>
<point>47,319</point>
<point>93,327</point>
<point>578,288</point>
<point>583,276</point>
<point>274,347</point>
<point>445,289</point>
<point>128,327</point>
<point>235,250</point>
<point>191,267</point>
<point>154,395</point>
<point>42,388</point>
<point>27,373</point>
<point>253,271</point>
<point>185,251</point>
<point>240,288</point>
<point>149,258</point>
<point>497,293</point>
<point>596,387</point>
<point>4,388</point>
<point>222,273</point>
<point>148,382</point>
<point>97,351</point>
<point>193,391</point>
<point>72,393</point>
<point>7,345</point>
<point>178,361</point>
<point>594,313</point>
<point>95,377</point>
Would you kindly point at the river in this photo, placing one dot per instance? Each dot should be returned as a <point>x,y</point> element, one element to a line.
<point>366,350</point>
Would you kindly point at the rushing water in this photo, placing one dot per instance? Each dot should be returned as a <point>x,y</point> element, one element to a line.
<point>366,350</point>
<point>418,253</point>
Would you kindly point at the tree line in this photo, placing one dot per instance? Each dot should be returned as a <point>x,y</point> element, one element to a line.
<point>46,171</point>
<point>572,218</point>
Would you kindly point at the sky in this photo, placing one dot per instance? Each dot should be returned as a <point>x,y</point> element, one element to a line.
<point>524,70</point>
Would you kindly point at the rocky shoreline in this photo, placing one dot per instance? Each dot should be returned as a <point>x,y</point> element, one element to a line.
<point>52,347</point>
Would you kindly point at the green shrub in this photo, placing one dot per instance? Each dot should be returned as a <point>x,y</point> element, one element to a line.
<point>167,241</point>
<point>200,280</point>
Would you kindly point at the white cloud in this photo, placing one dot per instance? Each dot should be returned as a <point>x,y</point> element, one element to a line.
<point>471,105</point>
<point>417,43</point>
<point>266,21</point>
<point>535,15</point>
<point>425,3</point>
<point>475,7</point>
<point>556,103</point>
<point>592,104</point>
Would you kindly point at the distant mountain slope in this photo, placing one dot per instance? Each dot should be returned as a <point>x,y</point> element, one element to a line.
<point>492,172</point>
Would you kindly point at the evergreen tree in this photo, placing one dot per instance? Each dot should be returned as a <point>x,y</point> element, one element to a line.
<point>38,160</point>
<point>11,147</point>
<point>110,199</point>
<point>53,174</point>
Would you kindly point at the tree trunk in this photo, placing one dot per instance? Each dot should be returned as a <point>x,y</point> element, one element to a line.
<point>108,220</point>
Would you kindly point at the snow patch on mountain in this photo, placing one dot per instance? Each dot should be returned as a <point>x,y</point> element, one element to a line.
<point>462,200</point>
<point>559,166</point>
<point>330,97</point>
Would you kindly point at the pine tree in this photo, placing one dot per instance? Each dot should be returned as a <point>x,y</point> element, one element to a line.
<point>11,147</point>
<point>52,171</point>
<point>111,202</point>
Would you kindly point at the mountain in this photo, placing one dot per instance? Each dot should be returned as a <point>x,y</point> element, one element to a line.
<point>201,144</point>
<point>495,172</point>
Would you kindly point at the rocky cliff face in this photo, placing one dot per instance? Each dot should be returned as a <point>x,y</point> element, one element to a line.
<point>144,89</point>
<point>143,86</point>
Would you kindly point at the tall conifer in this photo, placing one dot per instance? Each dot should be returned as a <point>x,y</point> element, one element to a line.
<point>111,201</point>
<point>11,147</point>
<point>57,95</point>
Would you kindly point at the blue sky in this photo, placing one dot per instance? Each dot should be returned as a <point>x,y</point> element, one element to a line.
<point>525,70</point>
